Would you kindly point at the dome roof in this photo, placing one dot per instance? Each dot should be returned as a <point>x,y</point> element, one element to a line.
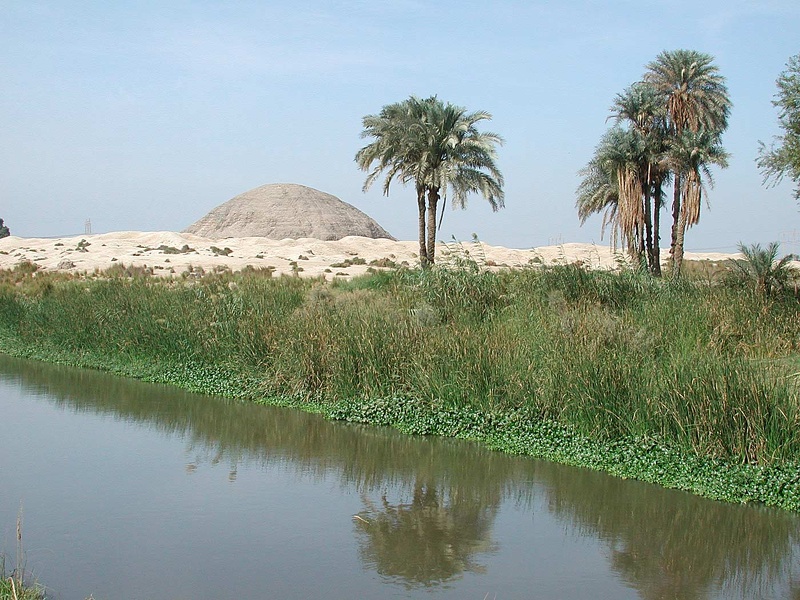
<point>286,210</point>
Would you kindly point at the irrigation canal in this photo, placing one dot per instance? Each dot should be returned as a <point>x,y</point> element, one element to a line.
<point>130,491</point>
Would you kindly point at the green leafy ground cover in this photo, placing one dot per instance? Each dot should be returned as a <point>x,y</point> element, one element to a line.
<point>685,384</point>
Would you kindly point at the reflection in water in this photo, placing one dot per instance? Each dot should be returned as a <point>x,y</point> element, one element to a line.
<point>668,544</point>
<point>430,539</point>
<point>430,504</point>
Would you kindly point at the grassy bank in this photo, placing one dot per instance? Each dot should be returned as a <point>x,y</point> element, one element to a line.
<point>687,385</point>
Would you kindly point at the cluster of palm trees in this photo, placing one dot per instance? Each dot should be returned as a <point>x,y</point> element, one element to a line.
<point>437,147</point>
<point>667,131</point>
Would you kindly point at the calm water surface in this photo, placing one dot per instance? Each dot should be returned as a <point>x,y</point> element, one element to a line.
<point>136,491</point>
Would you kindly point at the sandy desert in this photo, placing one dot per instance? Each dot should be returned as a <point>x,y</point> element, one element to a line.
<point>171,254</point>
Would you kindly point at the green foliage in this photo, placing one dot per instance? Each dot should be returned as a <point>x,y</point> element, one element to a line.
<point>164,249</point>
<point>685,384</point>
<point>16,585</point>
<point>783,157</point>
<point>349,262</point>
<point>668,126</point>
<point>439,148</point>
<point>13,589</point>
<point>762,268</point>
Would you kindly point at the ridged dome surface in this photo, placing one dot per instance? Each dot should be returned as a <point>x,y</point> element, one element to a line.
<point>286,210</point>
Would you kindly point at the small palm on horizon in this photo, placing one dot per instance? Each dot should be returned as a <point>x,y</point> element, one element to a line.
<point>762,267</point>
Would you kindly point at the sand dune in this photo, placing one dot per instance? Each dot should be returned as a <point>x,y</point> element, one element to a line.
<point>171,254</point>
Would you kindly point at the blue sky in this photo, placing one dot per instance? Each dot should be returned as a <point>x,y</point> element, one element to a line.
<point>145,115</point>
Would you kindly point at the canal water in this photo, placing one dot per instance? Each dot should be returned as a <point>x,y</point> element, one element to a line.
<point>135,491</point>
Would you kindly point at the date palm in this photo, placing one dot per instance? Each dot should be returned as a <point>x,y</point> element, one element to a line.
<point>598,192</point>
<point>397,150</point>
<point>613,183</point>
<point>690,156</point>
<point>625,176</point>
<point>695,93</point>
<point>438,147</point>
<point>696,99</point>
<point>641,107</point>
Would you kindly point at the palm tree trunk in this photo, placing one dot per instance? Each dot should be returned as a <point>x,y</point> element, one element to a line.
<point>632,245</point>
<point>657,231</point>
<point>641,248</point>
<point>423,248</point>
<point>433,201</point>
<point>648,224</point>
<point>676,215</point>
<point>677,257</point>
<point>636,244</point>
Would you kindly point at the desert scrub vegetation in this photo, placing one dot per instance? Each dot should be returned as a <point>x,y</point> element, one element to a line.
<point>682,383</point>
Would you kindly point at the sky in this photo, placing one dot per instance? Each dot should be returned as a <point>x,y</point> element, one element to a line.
<point>146,115</point>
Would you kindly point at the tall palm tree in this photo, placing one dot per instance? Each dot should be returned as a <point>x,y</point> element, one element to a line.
<point>439,148</point>
<point>598,192</point>
<point>695,92</point>
<point>696,99</point>
<point>641,107</point>
<point>396,152</point>
<point>691,155</point>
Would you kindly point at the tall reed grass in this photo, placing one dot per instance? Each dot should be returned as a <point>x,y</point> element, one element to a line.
<point>710,370</point>
<point>15,585</point>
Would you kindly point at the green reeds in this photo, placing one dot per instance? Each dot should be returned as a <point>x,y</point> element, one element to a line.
<point>13,585</point>
<point>702,369</point>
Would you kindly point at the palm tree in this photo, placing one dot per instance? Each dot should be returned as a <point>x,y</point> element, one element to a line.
<point>598,191</point>
<point>762,267</point>
<point>439,148</point>
<point>696,99</point>
<point>641,107</point>
<point>623,180</point>
<point>393,151</point>
<point>612,184</point>
<point>690,155</point>
<point>695,93</point>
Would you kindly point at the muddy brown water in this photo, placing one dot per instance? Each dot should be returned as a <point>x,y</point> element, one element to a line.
<point>132,491</point>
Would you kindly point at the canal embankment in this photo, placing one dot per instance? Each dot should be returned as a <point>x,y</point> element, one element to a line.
<point>687,384</point>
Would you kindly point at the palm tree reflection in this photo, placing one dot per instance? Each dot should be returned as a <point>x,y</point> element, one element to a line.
<point>428,540</point>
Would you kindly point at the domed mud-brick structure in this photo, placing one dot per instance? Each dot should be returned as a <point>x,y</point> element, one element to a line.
<point>286,210</point>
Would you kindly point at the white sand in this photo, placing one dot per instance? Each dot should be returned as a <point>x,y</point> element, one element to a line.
<point>89,253</point>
